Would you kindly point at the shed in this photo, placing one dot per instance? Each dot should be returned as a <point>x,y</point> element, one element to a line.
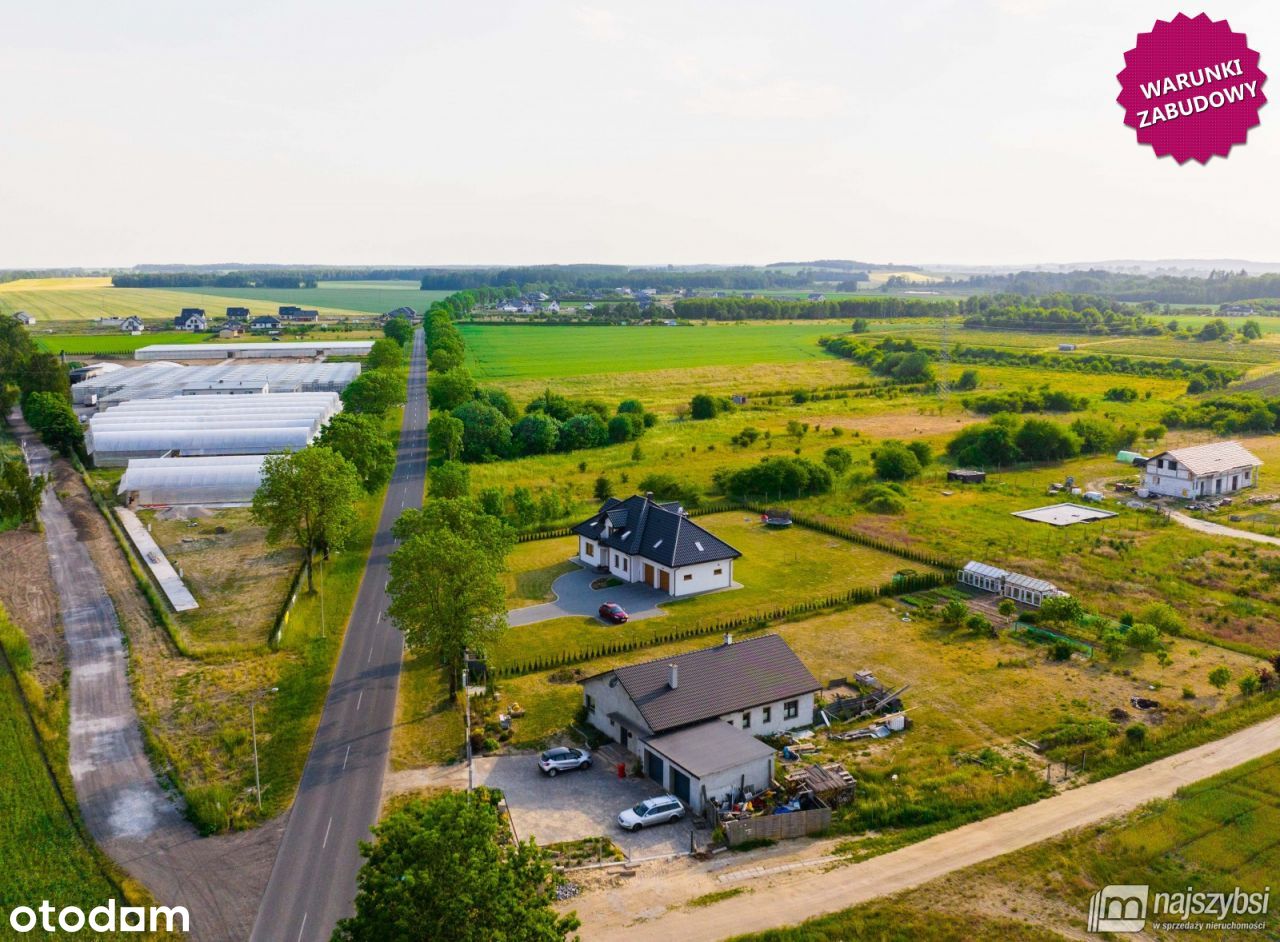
<point>1131,458</point>
<point>966,476</point>
<point>710,761</point>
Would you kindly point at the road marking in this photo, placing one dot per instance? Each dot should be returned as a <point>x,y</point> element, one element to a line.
<point>301,927</point>
<point>359,699</point>
<point>379,617</point>
<point>344,767</point>
<point>369,659</point>
<point>325,842</point>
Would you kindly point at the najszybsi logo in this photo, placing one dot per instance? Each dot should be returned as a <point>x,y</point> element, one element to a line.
<point>1126,907</point>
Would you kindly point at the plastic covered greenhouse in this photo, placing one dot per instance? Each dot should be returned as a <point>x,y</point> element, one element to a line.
<point>226,351</point>
<point>211,481</point>
<point>208,425</point>
<point>162,379</point>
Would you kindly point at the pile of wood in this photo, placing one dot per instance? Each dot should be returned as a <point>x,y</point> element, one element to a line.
<point>830,782</point>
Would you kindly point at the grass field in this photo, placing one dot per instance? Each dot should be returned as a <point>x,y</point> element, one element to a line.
<point>1213,836</point>
<point>371,297</point>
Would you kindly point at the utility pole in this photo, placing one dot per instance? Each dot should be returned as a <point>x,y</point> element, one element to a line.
<point>466,699</point>
<point>322,632</point>
<point>253,725</point>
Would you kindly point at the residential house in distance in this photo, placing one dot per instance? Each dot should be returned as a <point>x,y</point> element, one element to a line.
<point>641,540</point>
<point>814,296</point>
<point>1025,589</point>
<point>1066,347</point>
<point>24,318</point>
<point>693,719</point>
<point>237,313</point>
<point>401,313</point>
<point>231,331</point>
<point>191,318</point>
<point>298,315</point>
<point>1201,471</point>
<point>264,322</point>
<point>132,325</point>
<point>1236,310</point>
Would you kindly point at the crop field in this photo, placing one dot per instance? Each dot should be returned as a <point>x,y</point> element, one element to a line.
<point>511,352</point>
<point>1214,835</point>
<point>370,297</point>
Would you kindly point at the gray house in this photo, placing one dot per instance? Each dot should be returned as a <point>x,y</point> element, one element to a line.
<point>693,719</point>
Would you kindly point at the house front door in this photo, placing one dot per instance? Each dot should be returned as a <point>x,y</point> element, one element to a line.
<point>664,580</point>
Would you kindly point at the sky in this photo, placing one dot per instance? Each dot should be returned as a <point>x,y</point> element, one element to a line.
<point>425,133</point>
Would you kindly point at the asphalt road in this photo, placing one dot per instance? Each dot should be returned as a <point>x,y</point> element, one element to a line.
<point>313,882</point>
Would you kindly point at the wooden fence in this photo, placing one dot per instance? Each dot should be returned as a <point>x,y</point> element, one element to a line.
<point>777,827</point>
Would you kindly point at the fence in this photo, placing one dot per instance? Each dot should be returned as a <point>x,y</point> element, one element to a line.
<point>775,827</point>
<point>757,621</point>
<point>555,532</point>
<point>282,615</point>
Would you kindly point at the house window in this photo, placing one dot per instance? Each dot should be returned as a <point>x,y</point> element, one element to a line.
<point>766,715</point>
<point>791,709</point>
<point>591,548</point>
<point>591,704</point>
<point>688,577</point>
<point>626,564</point>
<point>746,720</point>
<point>719,571</point>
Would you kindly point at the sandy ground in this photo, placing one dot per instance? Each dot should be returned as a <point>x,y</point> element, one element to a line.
<point>28,596</point>
<point>649,906</point>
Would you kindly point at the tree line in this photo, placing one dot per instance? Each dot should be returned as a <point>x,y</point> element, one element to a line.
<point>571,278</point>
<point>1218,287</point>
<point>741,309</point>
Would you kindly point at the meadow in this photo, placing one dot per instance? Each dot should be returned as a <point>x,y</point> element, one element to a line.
<point>1214,835</point>
<point>371,297</point>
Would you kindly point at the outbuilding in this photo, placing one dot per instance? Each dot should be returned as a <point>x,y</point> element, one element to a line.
<point>966,476</point>
<point>710,761</point>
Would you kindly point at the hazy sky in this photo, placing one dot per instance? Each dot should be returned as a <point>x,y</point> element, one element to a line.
<point>480,132</point>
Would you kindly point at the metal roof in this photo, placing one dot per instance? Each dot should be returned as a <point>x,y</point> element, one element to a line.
<point>710,748</point>
<point>1213,458</point>
<point>714,681</point>
<point>982,569</point>
<point>1030,582</point>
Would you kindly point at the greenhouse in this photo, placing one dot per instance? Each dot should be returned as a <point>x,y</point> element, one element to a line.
<point>163,379</point>
<point>227,351</point>
<point>221,480</point>
<point>208,425</point>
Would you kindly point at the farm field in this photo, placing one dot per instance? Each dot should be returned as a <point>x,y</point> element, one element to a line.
<point>370,297</point>
<point>1214,835</point>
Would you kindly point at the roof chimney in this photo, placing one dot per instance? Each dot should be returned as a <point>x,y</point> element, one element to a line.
<point>728,638</point>
<point>648,495</point>
<point>674,675</point>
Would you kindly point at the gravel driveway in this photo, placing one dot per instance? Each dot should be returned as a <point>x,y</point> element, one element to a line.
<point>574,805</point>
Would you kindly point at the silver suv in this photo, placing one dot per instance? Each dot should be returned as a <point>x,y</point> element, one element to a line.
<point>563,759</point>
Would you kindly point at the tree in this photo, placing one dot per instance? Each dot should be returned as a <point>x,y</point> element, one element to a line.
<point>1220,677</point>
<point>359,439</point>
<point>450,389</point>
<point>838,459</point>
<point>603,489</point>
<point>987,445</point>
<point>553,404</point>
<point>1135,735</point>
<point>1061,610</point>
<point>586,430</point>
<point>446,596</point>
<point>894,461</point>
<point>1251,330</point>
<point>21,492</point>
<point>1249,685</point>
<point>860,325</point>
<point>385,354</point>
<point>954,613</point>
<point>968,380</point>
<point>1163,616</point>
<point>444,432</point>
<point>1042,440</point>
<point>50,414</point>
<point>398,329</point>
<point>501,400</point>
<point>486,433</point>
<point>1007,607</point>
<point>373,392</point>
<point>704,406</point>
<point>459,515</point>
<point>625,426</point>
<point>537,433</point>
<point>443,869</point>
<point>449,479</point>
<point>1154,433</point>
<point>308,497</point>
<point>923,452</point>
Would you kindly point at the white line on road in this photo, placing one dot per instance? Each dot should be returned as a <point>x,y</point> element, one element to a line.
<point>325,842</point>
<point>359,699</point>
<point>301,927</point>
<point>369,659</point>
<point>344,767</point>
<point>379,618</point>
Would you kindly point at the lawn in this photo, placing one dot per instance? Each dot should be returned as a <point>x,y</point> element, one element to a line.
<point>1213,836</point>
<point>777,568</point>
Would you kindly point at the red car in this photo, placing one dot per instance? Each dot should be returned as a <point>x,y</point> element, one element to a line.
<point>613,612</point>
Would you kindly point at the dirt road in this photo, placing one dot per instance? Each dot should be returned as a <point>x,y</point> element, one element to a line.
<point>650,909</point>
<point>1217,529</point>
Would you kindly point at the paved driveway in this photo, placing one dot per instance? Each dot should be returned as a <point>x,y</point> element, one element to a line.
<point>574,805</point>
<point>575,597</point>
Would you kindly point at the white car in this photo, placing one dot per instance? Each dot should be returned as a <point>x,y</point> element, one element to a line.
<point>563,759</point>
<point>658,810</point>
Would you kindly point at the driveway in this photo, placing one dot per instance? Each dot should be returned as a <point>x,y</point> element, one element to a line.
<point>574,805</point>
<point>575,597</point>
<point>1217,529</point>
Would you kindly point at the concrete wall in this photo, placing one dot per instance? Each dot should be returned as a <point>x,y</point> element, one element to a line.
<point>612,700</point>
<point>702,577</point>
<point>777,722</point>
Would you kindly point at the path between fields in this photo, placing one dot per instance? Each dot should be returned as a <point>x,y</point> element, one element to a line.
<point>1217,529</point>
<point>126,811</point>
<point>647,906</point>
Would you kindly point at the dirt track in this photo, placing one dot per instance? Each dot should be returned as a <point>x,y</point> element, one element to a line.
<point>649,909</point>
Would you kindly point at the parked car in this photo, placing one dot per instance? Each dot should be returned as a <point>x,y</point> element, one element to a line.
<point>612,611</point>
<point>660,810</point>
<point>563,759</point>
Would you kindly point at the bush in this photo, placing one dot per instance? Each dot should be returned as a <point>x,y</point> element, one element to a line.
<point>882,499</point>
<point>895,461</point>
<point>838,459</point>
<point>776,478</point>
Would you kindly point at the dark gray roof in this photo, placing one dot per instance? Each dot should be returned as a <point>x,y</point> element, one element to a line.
<point>709,748</point>
<point>715,681</point>
<point>640,526</point>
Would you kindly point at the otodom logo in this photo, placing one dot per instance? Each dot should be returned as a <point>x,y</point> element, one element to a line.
<point>48,918</point>
<point>1119,908</point>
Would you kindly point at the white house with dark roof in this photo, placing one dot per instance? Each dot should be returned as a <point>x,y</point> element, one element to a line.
<point>693,719</point>
<point>1201,471</point>
<point>24,318</point>
<point>191,318</point>
<point>641,540</point>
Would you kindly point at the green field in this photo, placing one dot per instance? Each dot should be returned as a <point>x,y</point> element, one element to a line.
<point>120,343</point>
<point>372,297</point>
<point>512,352</point>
